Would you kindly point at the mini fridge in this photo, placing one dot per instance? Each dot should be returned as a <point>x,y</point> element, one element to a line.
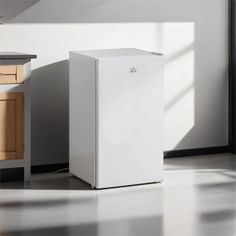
<point>116,117</point>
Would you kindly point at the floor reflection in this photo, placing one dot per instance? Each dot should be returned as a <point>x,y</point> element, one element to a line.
<point>191,201</point>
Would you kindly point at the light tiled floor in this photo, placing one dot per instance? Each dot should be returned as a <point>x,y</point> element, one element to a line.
<point>197,197</point>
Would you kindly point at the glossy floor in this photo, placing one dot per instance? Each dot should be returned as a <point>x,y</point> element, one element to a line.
<point>197,197</point>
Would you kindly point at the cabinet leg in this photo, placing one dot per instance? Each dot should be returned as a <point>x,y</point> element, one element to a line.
<point>27,173</point>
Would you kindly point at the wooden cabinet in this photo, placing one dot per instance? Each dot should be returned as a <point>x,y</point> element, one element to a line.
<point>11,126</point>
<point>15,114</point>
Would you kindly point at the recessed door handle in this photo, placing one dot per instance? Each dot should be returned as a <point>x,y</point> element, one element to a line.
<point>133,70</point>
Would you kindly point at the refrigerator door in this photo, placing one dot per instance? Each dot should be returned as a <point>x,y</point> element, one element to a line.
<point>129,120</point>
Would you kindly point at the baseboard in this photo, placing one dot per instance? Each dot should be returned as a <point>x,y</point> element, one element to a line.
<point>167,154</point>
<point>232,75</point>
<point>232,147</point>
<point>49,167</point>
<point>11,174</point>
<point>196,151</point>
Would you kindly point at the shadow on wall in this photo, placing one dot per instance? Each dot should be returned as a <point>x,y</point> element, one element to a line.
<point>50,113</point>
<point>10,9</point>
<point>202,125</point>
<point>94,11</point>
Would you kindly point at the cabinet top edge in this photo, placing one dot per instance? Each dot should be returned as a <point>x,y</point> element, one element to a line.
<point>16,55</point>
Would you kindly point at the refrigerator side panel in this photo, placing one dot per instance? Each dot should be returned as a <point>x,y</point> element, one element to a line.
<point>82,117</point>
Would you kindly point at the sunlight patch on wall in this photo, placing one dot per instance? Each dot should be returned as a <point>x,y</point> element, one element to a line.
<point>58,40</point>
<point>178,47</point>
<point>175,40</point>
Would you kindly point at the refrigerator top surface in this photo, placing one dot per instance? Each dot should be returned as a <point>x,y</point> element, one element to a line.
<point>120,52</point>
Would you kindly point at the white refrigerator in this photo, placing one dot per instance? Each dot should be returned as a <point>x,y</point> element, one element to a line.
<point>116,117</point>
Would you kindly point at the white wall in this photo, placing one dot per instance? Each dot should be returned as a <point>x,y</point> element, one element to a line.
<point>191,33</point>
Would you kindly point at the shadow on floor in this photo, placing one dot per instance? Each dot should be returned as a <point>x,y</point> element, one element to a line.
<point>140,226</point>
<point>50,181</point>
<point>225,161</point>
<point>37,204</point>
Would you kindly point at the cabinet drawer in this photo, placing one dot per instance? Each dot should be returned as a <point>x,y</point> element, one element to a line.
<point>12,74</point>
